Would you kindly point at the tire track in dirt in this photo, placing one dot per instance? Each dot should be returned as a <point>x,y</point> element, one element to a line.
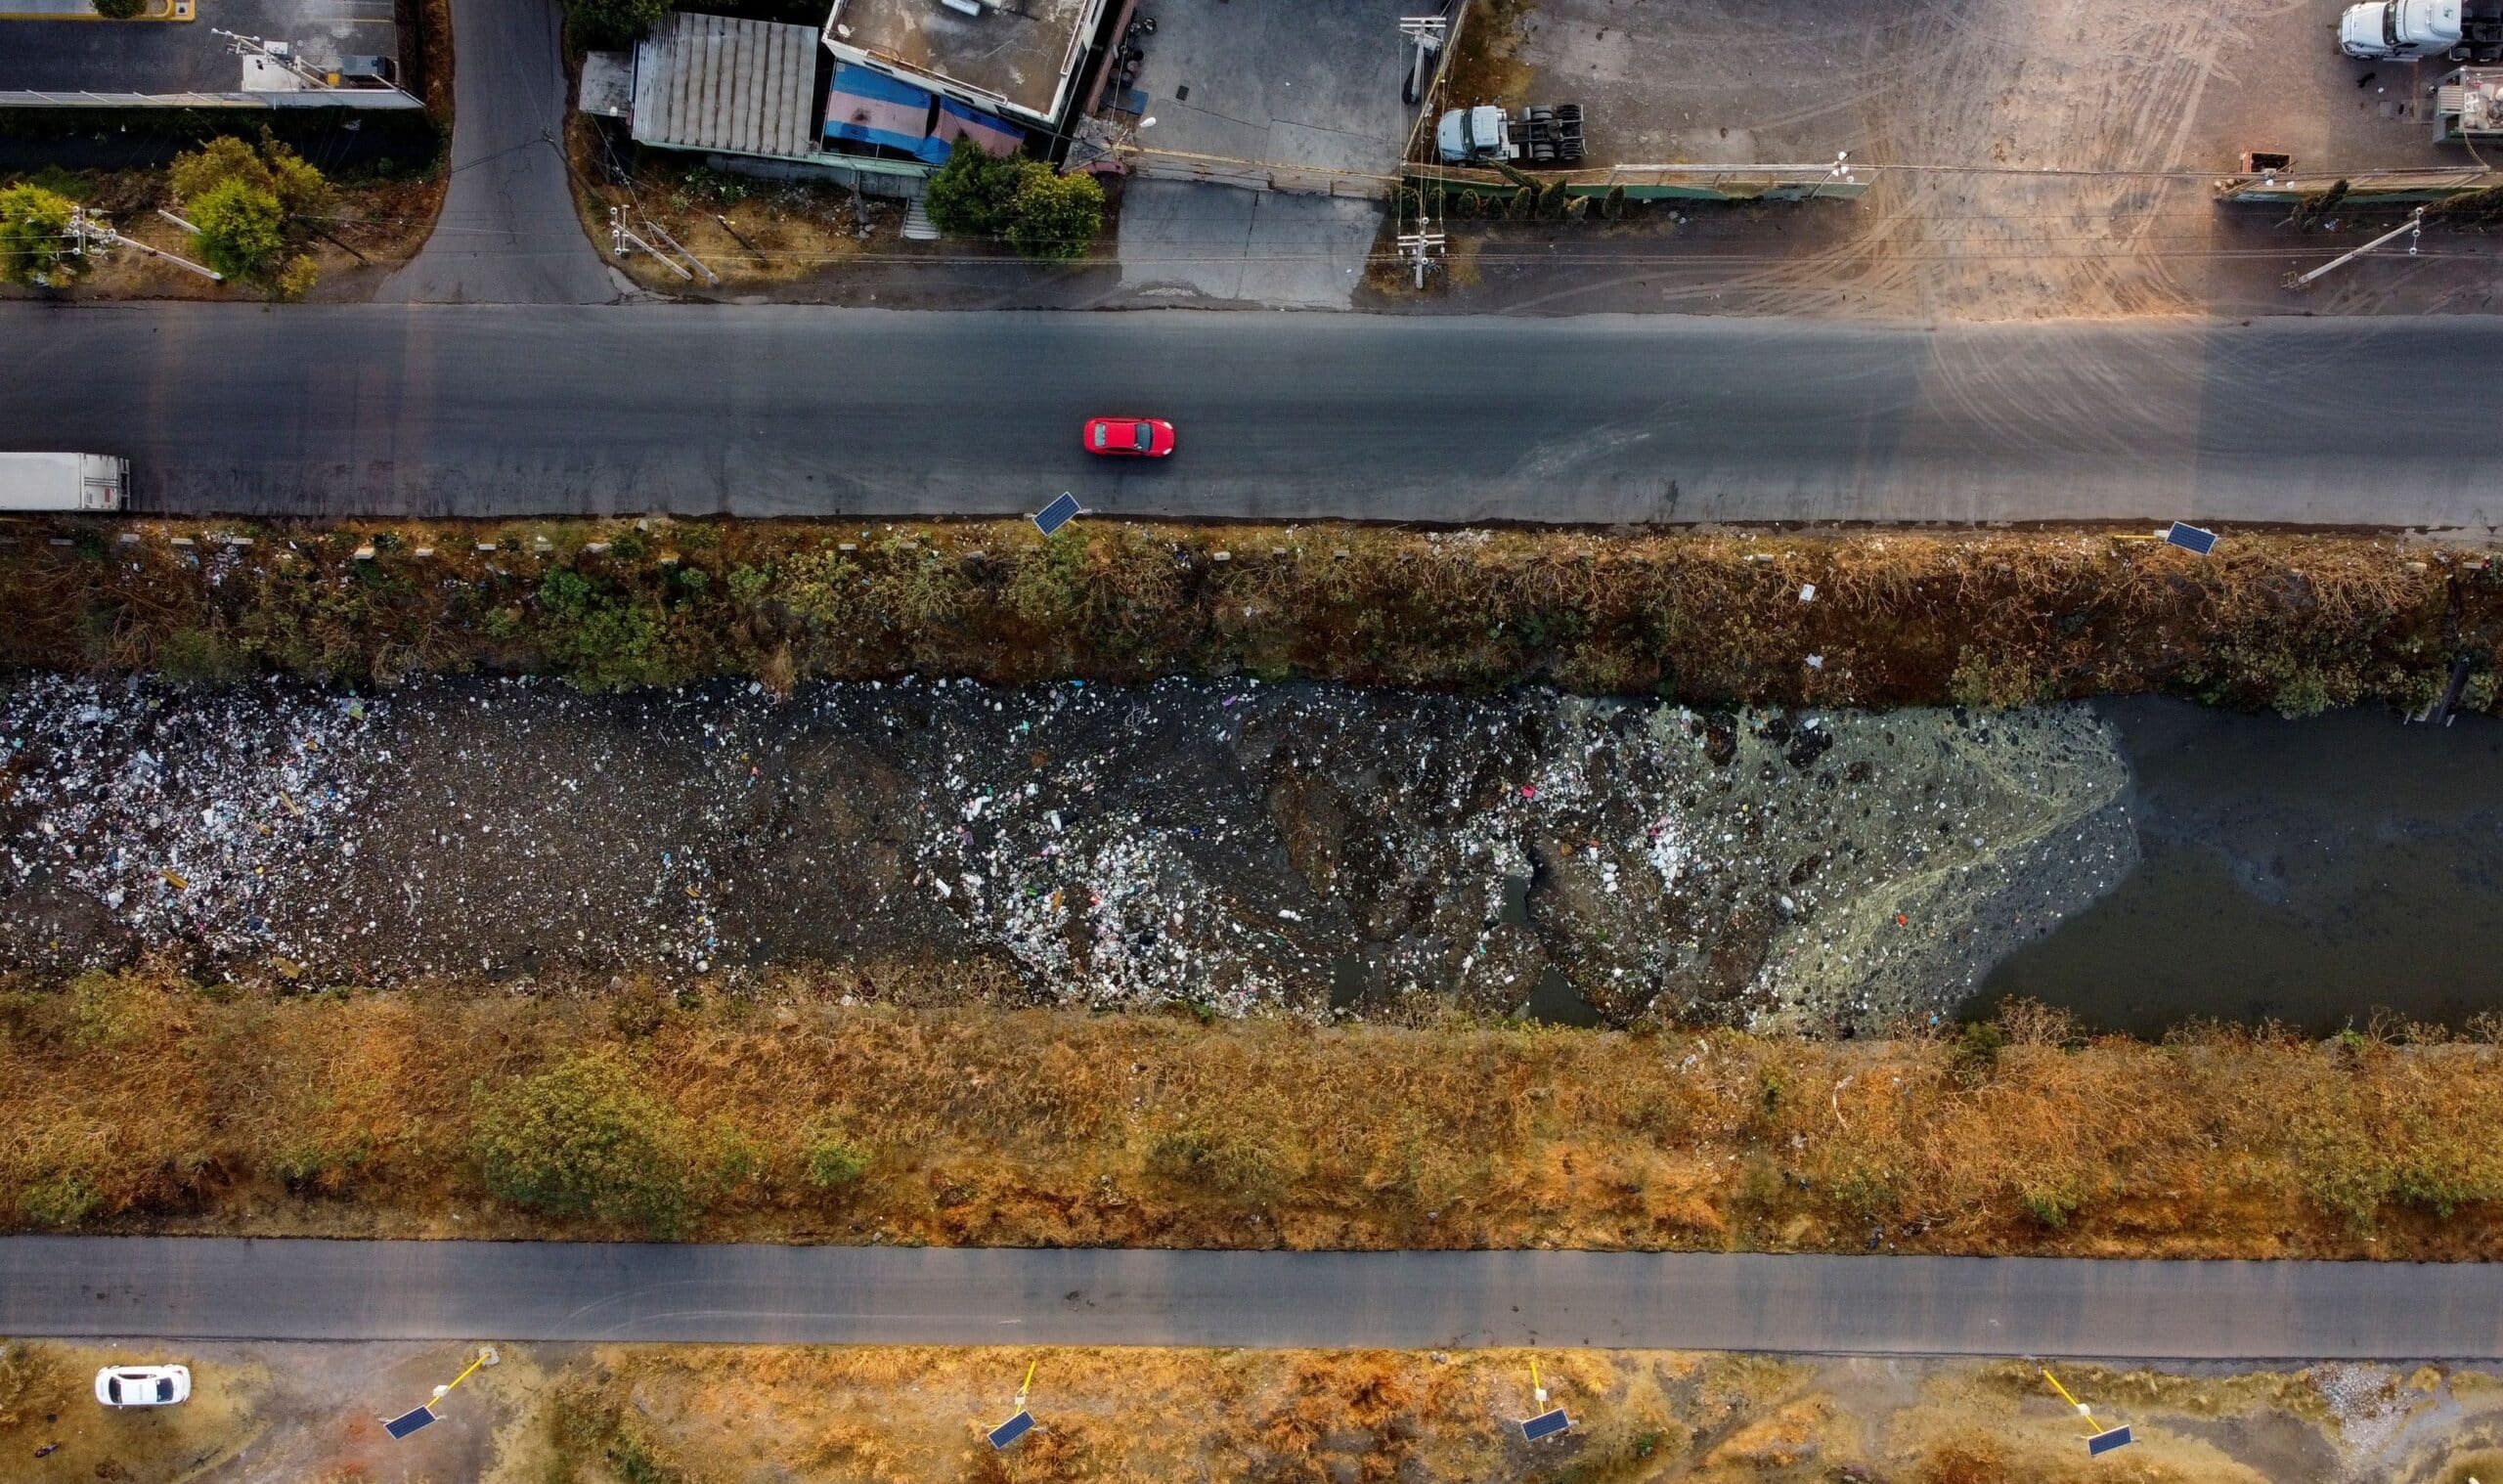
<point>2073,85</point>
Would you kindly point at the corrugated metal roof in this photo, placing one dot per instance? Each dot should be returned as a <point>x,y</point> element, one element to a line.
<point>714,83</point>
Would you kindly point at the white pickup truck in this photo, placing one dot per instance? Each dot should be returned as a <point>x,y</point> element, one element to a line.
<point>63,481</point>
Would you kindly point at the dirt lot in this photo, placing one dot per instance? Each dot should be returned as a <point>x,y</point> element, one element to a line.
<point>2030,159</point>
<point>1236,846</point>
<point>555,1414</point>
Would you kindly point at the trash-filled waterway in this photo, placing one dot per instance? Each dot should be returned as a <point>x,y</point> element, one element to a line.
<point>1244,849</point>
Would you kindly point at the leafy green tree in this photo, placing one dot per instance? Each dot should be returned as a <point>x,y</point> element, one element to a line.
<point>613,23</point>
<point>970,195</point>
<point>581,1139</point>
<point>252,205</point>
<point>1054,215</point>
<point>34,236</point>
<point>120,10</point>
<point>272,167</point>
<point>241,229</point>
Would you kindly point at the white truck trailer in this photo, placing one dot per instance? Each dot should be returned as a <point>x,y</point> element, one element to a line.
<point>63,481</point>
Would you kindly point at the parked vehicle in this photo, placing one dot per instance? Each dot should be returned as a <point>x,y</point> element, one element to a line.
<point>1543,136</point>
<point>144,1385</point>
<point>1130,437</point>
<point>63,482</point>
<point>2407,31</point>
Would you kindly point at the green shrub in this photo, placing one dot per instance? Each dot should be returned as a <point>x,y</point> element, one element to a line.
<point>597,636</point>
<point>62,1198</point>
<point>1226,1164</point>
<point>241,229</point>
<point>1054,215</point>
<point>251,206</point>
<point>833,1163</point>
<point>969,195</point>
<point>2050,1207</point>
<point>35,247</point>
<point>272,167</point>
<point>612,22</point>
<point>1023,202</point>
<point>202,657</point>
<point>120,10</point>
<point>582,1141</point>
<point>1975,1054</point>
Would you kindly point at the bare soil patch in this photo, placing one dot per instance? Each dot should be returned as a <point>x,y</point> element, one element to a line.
<point>670,1414</point>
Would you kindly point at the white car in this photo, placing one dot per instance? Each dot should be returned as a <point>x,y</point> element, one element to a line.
<point>143,1385</point>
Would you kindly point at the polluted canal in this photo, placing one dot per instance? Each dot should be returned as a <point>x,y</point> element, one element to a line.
<point>2311,873</point>
<point>1244,849</point>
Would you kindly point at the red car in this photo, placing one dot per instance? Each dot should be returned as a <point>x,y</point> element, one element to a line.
<point>1130,437</point>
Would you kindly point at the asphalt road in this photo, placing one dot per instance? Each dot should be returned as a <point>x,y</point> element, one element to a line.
<point>210,1289</point>
<point>507,234</point>
<point>789,411</point>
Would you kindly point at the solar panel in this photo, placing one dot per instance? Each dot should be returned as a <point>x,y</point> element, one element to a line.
<point>1058,513</point>
<point>1546,1424</point>
<point>2191,538</point>
<point>408,1421</point>
<point>2104,1442</point>
<point>1011,1431</point>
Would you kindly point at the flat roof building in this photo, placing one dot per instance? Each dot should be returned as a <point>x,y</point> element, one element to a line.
<point>1020,59</point>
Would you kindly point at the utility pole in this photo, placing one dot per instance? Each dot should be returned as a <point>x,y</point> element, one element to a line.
<point>661,232</point>
<point>622,237</point>
<point>1425,33</point>
<point>102,232</point>
<point>1423,242</point>
<point>1840,171</point>
<point>2413,229</point>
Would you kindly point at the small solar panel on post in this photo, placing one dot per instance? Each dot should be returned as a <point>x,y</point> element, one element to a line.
<point>1546,1424</point>
<point>1060,512</point>
<point>2102,1439</point>
<point>408,1421</point>
<point>1011,1431</point>
<point>2194,540</point>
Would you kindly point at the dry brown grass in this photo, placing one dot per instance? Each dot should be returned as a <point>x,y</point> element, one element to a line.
<point>135,1102</point>
<point>2298,622</point>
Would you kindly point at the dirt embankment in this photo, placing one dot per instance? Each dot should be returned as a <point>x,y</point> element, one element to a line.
<point>2295,622</point>
<point>1238,847</point>
<point>288,1414</point>
<point>133,1103</point>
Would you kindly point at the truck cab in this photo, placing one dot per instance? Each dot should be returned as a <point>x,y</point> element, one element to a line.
<point>2400,30</point>
<point>1464,135</point>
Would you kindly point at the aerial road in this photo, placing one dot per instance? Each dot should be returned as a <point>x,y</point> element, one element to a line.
<point>302,1290</point>
<point>439,409</point>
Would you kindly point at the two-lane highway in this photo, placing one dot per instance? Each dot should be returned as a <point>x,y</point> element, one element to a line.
<point>217,1288</point>
<point>381,410</point>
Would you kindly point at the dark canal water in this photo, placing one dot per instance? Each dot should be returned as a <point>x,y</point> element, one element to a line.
<point>2307,872</point>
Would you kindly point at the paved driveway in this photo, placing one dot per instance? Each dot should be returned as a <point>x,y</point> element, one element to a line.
<point>508,234</point>
<point>1303,84</point>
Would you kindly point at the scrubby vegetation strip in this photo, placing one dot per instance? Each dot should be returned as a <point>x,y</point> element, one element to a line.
<point>2297,622</point>
<point>140,1100</point>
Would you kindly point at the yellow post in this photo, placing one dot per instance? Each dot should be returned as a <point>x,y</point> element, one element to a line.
<point>440,1392</point>
<point>2072,1401</point>
<point>1028,1384</point>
